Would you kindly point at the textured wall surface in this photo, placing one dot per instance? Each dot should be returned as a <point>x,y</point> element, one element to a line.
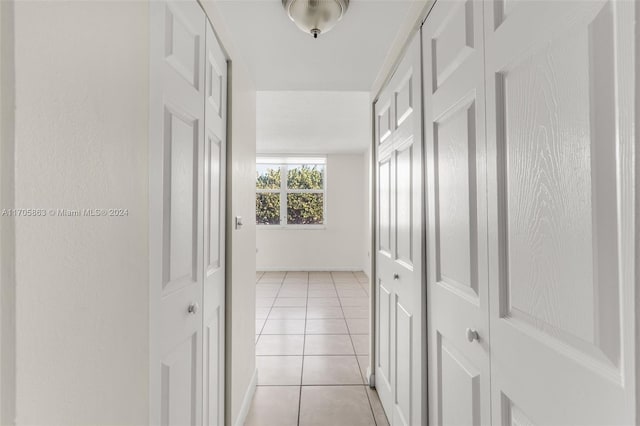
<point>81,142</point>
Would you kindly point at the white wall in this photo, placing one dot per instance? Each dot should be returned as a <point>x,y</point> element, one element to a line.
<point>81,130</point>
<point>367,176</point>
<point>241,262</point>
<point>340,245</point>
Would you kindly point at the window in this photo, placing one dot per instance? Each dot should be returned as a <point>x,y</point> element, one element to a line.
<point>290,191</point>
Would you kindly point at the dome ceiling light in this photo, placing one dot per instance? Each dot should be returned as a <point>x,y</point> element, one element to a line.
<point>315,16</point>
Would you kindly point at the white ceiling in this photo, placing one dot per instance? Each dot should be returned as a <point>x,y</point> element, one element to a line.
<point>282,57</point>
<point>312,122</point>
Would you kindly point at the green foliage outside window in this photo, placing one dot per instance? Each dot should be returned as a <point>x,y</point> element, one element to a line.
<point>303,208</point>
<point>268,209</point>
<point>268,178</point>
<point>304,177</point>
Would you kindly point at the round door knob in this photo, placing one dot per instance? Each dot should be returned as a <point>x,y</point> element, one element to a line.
<point>472,335</point>
<point>396,277</point>
<point>193,308</point>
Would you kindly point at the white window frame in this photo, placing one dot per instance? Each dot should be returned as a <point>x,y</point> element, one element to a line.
<point>284,162</point>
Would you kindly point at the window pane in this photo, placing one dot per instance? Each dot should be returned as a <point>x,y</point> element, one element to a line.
<point>305,176</point>
<point>305,209</point>
<point>268,209</point>
<point>268,176</point>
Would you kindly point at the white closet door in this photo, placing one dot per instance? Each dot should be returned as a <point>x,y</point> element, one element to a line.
<point>399,309</point>
<point>176,211</point>
<point>458,292</point>
<point>560,102</point>
<point>214,229</point>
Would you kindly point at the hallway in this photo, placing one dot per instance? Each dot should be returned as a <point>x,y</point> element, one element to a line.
<point>312,346</point>
<point>469,169</point>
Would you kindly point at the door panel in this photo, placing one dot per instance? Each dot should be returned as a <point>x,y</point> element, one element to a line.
<point>183,45</point>
<point>458,298</point>
<point>455,200</point>
<point>214,228</point>
<point>399,367</point>
<point>454,42</point>
<point>384,209</point>
<point>213,158</point>
<point>404,205</point>
<point>214,370</point>
<point>383,368</point>
<point>404,355</point>
<point>404,100</point>
<point>180,383</point>
<point>557,247</point>
<point>458,387</point>
<point>181,184</point>
<point>384,122</point>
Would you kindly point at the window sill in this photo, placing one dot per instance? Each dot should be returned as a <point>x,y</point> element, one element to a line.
<point>291,227</point>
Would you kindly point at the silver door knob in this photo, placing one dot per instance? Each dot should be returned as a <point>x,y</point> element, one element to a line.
<point>396,277</point>
<point>193,308</point>
<point>472,335</point>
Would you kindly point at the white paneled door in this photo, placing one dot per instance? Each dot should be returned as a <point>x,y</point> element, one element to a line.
<point>400,321</point>
<point>458,293</point>
<point>531,222</point>
<point>214,229</point>
<point>560,85</point>
<point>186,233</point>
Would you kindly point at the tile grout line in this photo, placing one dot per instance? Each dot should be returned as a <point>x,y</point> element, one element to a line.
<point>319,385</point>
<point>259,333</point>
<point>270,307</point>
<point>304,344</point>
<point>373,415</point>
<point>375,420</point>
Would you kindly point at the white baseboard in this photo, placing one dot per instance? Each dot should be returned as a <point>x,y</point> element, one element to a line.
<point>248,399</point>
<point>309,268</point>
<point>367,272</point>
<point>371,378</point>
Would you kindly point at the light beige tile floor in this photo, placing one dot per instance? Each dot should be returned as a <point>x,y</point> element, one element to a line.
<point>361,343</point>
<point>274,405</point>
<point>328,344</point>
<point>312,346</point>
<point>326,326</point>
<point>336,406</point>
<point>285,326</point>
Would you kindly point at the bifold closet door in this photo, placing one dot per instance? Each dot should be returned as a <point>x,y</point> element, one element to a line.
<point>455,152</point>
<point>214,229</point>
<point>176,211</point>
<point>560,102</point>
<point>187,119</point>
<point>400,310</point>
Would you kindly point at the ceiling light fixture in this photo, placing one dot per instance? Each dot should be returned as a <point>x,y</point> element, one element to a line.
<point>315,16</point>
